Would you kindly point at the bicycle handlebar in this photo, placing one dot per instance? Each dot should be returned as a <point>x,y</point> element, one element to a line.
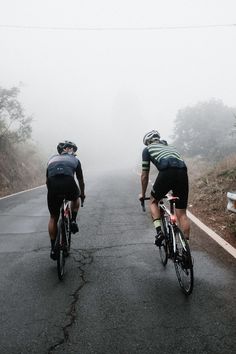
<point>142,201</point>
<point>169,197</point>
<point>82,201</point>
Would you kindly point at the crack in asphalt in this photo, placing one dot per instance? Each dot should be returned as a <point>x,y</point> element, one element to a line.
<point>95,249</point>
<point>85,258</point>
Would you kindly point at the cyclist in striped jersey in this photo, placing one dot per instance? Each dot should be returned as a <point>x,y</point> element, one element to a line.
<point>172,176</point>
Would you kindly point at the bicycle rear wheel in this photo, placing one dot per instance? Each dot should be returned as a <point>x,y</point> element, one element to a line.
<point>183,263</point>
<point>67,236</point>
<point>61,254</point>
<point>163,249</point>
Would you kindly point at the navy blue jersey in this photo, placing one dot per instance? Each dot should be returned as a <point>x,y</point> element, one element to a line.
<point>64,164</point>
<point>162,156</point>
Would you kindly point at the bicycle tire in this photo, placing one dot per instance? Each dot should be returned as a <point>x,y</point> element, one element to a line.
<point>69,236</point>
<point>183,262</point>
<point>163,248</point>
<point>61,255</point>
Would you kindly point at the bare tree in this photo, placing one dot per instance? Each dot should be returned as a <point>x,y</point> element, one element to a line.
<point>15,127</point>
<point>205,130</point>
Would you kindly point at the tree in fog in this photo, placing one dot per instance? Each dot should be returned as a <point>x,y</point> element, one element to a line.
<point>21,166</point>
<point>234,127</point>
<point>205,130</point>
<point>15,127</point>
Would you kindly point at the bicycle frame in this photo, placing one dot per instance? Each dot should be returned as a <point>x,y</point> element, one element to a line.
<point>169,213</point>
<point>174,245</point>
<point>66,213</point>
<point>172,220</point>
<point>63,236</point>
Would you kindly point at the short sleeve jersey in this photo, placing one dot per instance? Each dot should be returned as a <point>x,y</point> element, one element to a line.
<point>162,156</point>
<point>64,164</point>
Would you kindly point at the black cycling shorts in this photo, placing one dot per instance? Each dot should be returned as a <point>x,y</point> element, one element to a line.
<point>58,188</point>
<point>175,179</point>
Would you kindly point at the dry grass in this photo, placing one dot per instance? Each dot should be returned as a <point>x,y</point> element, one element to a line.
<point>208,195</point>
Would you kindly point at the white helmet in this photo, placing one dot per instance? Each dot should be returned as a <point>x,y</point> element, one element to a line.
<point>150,137</point>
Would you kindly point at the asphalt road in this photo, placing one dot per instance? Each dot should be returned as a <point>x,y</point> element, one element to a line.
<point>116,297</point>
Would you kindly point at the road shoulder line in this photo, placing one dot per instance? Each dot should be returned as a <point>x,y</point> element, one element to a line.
<point>230,249</point>
<point>27,190</point>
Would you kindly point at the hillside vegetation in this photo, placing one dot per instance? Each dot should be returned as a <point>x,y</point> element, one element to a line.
<point>20,168</point>
<point>208,195</point>
<point>205,133</point>
<point>20,164</point>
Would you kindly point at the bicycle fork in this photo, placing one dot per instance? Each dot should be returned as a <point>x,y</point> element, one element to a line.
<point>176,254</point>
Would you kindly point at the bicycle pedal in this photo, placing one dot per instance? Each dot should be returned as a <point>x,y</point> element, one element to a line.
<point>66,253</point>
<point>74,227</point>
<point>53,255</point>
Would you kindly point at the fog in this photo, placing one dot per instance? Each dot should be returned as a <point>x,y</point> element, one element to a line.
<point>102,73</point>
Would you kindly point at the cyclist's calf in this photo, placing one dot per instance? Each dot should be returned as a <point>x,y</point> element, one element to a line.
<point>183,221</point>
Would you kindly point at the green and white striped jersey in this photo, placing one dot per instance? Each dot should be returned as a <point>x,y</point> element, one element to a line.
<point>162,156</point>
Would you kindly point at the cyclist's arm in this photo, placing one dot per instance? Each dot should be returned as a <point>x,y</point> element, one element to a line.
<point>144,182</point>
<point>46,176</point>
<point>145,171</point>
<point>82,187</point>
<point>80,178</point>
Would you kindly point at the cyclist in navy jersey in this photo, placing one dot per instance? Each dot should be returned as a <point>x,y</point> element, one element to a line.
<point>61,170</point>
<point>172,176</point>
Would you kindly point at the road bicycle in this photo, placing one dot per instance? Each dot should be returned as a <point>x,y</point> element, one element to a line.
<point>174,246</point>
<point>63,239</point>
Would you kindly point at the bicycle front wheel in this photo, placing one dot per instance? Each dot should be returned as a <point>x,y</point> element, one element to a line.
<point>61,255</point>
<point>183,262</point>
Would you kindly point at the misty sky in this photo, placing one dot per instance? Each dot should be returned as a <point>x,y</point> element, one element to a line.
<point>92,70</point>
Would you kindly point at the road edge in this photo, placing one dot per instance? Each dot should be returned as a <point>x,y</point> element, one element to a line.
<point>229,248</point>
<point>26,190</point>
<point>224,244</point>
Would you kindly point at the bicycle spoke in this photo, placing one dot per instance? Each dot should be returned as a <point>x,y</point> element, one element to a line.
<point>163,252</point>
<point>183,263</point>
<point>61,256</point>
<point>68,235</point>
<point>163,249</point>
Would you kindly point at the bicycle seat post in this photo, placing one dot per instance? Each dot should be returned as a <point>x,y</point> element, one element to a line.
<point>172,206</point>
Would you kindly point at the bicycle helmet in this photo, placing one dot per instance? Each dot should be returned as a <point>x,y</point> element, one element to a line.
<point>150,137</point>
<point>66,144</point>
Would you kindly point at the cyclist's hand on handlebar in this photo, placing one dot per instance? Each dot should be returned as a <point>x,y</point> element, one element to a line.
<point>141,199</point>
<point>82,197</point>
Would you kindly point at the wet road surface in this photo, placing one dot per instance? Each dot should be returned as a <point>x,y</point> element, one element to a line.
<point>116,296</point>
